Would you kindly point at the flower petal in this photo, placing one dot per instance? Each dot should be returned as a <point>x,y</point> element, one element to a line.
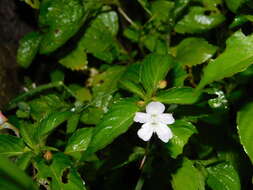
<point>145,132</point>
<point>163,132</point>
<point>155,108</point>
<point>141,117</point>
<point>166,118</point>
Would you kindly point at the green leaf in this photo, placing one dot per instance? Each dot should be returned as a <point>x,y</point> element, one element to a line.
<point>234,5</point>
<point>100,37</point>
<point>210,4</point>
<point>154,69</point>
<point>33,3</point>
<point>62,19</point>
<point>132,34</point>
<point>132,73</point>
<point>81,93</point>
<point>132,87</point>
<point>24,160</point>
<point>245,128</point>
<point>104,85</point>
<point>196,21</point>
<point>92,116</point>
<point>223,176</point>
<point>182,131</point>
<point>76,60</point>
<point>154,43</point>
<point>178,95</point>
<point>27,132</point>
<point>114,123</point>
<point>13,178</point>
<point>237,56</point>
<point>188,177</point>
<point>32,92</point>
<point>180,75</point>
<point>180,6</point>
<point>23,110</point>
<point>161,10</point>
<point>238,21</point>
<point>92,6</point>
<point>107,81</point>
<point>130,80</point>
<point>28,48</point>
<point>54,174</point>
<point>193,51</point>
<point>57,75</point>
<point>72,123</point>
<point>44,105</point>
<point>52,121</point>
<point>11,145</point>
<point>79,141</point>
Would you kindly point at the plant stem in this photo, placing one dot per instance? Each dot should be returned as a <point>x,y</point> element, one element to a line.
<point>128,19</point>
<point>13,103</point>
<point>141,179</point>
<point>140,183</point>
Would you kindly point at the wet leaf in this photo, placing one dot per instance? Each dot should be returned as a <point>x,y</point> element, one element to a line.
<point>187,177</point>
<point>196,21</point>
<point>178,95</point>
<point>245,129</point>
<point>79,141</point>
<point>28,48</point>
<point>11,145</point>
<point>182,131</point>
<point>114,123</point>
<point>236,58</point>
<point>223,176</point>
<point>193,51</point>
<point>62,19</point>
<point>60,174</point>
<point>154,69</point>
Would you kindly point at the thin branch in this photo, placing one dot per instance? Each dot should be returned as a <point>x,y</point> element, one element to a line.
<point>121,11</point>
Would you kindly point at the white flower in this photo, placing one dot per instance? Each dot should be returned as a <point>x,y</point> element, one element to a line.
<point>155,121</point>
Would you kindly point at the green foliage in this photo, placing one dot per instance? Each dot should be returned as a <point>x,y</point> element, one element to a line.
<point>79,141</point>
<point>180,95</point>
<point>104,60</point>
<point>182,131</point>
<point>48,124</point>
<point>236,58</point>
<point>11,146</point>
<point>44,105</point>
<point>76,60</point>
<point>244,126</point>
<point>188,177</point>
<point>62,19</point>
<point>194,51</point>
<point>115,122</point>
<point>28,48</point>
<point>223,176</point>
<point>154,68</point>
<point>13,178</point>
<point>196,21</point>
<point>60,173</point>
<point>234,5</point>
